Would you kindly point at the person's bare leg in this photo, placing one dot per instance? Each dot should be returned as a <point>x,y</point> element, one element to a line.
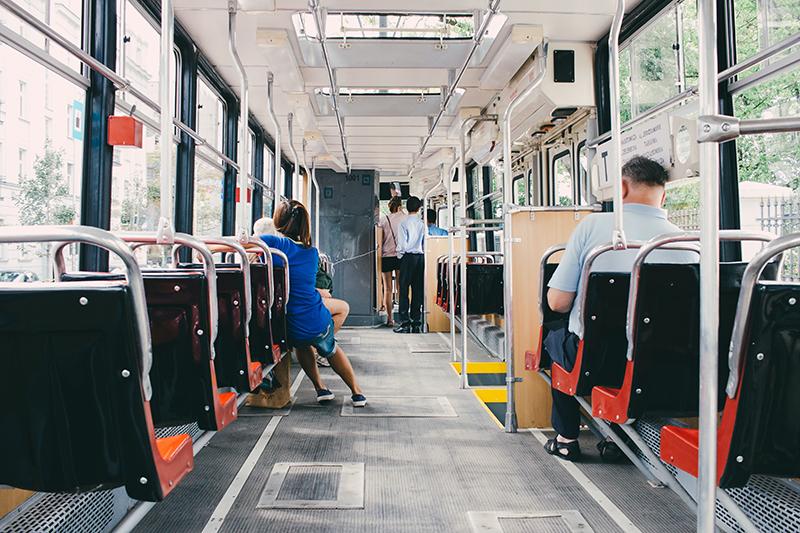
<point>387,297</point>
<point>308,362</point>
<point>341,365</point>
<point>339,310</point>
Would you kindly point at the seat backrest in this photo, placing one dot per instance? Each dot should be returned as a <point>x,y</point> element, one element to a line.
<point>74,415</point>
<point>279,334</point>
<point>260,329</point>
<point>763,424</point>
<point>484,289</point>
<point>231,348</point>
<point>605,343</point>
<point>182,378</point>
<point>666,354</point>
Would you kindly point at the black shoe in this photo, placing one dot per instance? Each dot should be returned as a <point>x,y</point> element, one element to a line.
<point>405,327</point>
<point>416,329</point>
<point>569,451</point>
<point>610,452</point>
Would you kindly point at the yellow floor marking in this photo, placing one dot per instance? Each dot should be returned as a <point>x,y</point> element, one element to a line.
<point>481,367</point>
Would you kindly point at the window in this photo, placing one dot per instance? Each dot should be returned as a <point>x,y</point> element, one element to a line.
<point>65,16</point>
<point>584,183</point>
<point>210,114</point>
<point>34,158</point>
<point>136,185</point>
<point>140,55</point>
<point>23,99</point>
<point>660,60</point>
<point>520,190</point>
<point>564,187</point>
<point>22,170</point>
<point>762,23</point>
<point>392,26</point>
<point>208,190</point>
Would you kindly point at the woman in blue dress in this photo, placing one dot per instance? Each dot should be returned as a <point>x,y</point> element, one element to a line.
<point>309,323</point>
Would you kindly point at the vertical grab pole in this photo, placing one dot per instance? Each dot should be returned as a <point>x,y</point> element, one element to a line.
<point>709,272</point>
<point>425,201</point>
<point>166,231</point>
<point>242,222</point>
<point>451,215</point>
<point>618,237</point>
<point>462,169</point>
<point>508,238</point>
<point>277,186</point>
<point>316,200</point>
<point>307,199</point>
<point>296,174</point>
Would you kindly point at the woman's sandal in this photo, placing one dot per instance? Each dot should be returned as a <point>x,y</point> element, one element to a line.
<point>571,451</point>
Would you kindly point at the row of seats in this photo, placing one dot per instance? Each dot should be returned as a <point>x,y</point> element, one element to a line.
<point>94,363</point>
<point>484,285</point>
<point>639,355</point>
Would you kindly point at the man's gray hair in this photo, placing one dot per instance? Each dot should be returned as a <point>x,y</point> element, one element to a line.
<point>264,226</point>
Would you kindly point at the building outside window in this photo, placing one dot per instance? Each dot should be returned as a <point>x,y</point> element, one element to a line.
<point>36,183</point>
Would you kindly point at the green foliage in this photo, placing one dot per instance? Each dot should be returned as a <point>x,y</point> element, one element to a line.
<point>44,197</point>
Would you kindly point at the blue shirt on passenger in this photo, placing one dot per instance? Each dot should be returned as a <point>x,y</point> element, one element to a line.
<point>411,235</point>
<point>641,222</point>
<point>306,315</point>
<point>436,231</point>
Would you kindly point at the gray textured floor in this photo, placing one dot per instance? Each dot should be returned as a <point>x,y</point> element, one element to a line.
<point>422,474</point>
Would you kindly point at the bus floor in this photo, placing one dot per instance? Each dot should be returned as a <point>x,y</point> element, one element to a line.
<point>420,473</point>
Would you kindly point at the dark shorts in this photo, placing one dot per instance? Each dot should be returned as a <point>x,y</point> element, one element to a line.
<point>390,264</point>
<point>324,343</point>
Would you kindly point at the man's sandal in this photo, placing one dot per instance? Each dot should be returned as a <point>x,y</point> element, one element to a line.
<point>571,451</point>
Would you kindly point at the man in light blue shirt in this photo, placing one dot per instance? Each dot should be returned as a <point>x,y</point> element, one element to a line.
<point>643,192</point>
<point>410,250</point>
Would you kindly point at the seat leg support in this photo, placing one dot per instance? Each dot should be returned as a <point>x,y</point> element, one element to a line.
<point>660,470</point>
<point>736,512</point>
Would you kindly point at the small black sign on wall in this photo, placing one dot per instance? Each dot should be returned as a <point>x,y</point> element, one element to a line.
<point>564,66</point>
<point>327,193</point>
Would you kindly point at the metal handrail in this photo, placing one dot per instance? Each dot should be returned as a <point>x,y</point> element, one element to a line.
<point>761,56</point>
<point>318,21</point>
<point>119,82</point>
<point>494,194</point>
<point>266,252</point>
<point>166,229</point>
<point>243,230</point>
<point>65,235</point>
<point>493,8</point>
<point>277,184</point>
<point>751,275</point>
<point>665,241</point>
<point>293,151</point>
<point>235,246</point>
<point>508,238</point>
<point>618,236</point>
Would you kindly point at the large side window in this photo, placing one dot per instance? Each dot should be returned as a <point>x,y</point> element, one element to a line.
<point>209,173</point>
<point>769,183</point>
<point>660,60</point>
<point>520,190</point>
<point>41,139</point>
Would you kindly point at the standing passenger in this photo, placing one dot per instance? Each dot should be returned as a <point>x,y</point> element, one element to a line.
<point>390,263</point>
<point>309,323</point>
<point>410,250</point>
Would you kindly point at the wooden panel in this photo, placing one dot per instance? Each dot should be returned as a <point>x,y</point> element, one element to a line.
<point>434,248</point>
<point>10,499</point>
<point>537,232</point>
